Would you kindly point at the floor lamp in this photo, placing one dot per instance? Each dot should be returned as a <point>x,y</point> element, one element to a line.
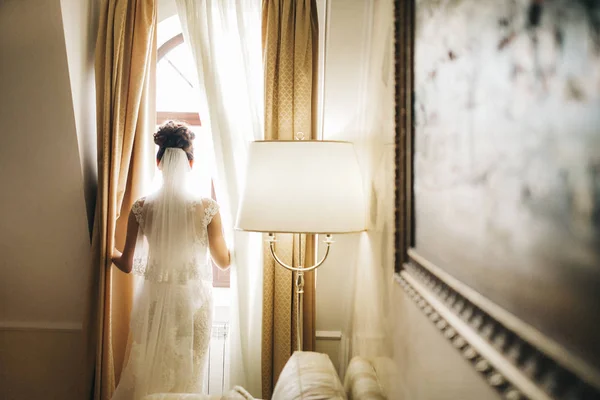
<point>302,187</point>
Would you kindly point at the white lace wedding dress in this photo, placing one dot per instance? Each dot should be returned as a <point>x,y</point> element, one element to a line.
<point>172,313</point>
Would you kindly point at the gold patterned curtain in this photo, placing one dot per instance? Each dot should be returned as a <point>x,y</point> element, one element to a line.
<point>290,47</point>
<point>125,81</point>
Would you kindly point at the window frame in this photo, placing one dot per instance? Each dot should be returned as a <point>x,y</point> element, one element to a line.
<point>191,118</point>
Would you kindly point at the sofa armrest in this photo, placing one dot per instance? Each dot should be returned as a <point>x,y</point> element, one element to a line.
<point>308,375</point>
<point>361,382</point>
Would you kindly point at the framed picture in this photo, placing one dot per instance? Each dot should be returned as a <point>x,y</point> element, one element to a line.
<point>498,183</point>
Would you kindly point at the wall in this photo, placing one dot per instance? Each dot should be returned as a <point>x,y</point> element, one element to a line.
<point>357,107</point>
<point>417,362</point>
<point>80,23</point>
<point>426,366</point>
<point>344,27</point>
<point>45,239</point>
<point>166,9</point>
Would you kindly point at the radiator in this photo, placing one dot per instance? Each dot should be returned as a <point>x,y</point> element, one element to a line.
<point>217,370</point>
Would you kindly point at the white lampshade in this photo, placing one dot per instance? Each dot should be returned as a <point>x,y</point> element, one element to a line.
<point>302,187</point>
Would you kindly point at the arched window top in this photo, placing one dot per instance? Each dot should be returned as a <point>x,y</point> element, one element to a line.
<point>176,83</point>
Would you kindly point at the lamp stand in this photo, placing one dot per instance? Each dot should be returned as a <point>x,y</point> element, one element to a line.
<point>299,281</point>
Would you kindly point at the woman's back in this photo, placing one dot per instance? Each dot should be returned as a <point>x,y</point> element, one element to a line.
<point>173,245</point>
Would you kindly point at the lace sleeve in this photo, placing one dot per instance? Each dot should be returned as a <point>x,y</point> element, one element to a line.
<point>211,208</point>
<point>137,209</point>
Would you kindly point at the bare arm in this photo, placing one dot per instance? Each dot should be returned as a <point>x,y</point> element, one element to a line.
<point>218,248</point>
<point>124,261</point>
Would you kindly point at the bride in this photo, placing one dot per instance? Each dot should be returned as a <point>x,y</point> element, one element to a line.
<point>169,234</point>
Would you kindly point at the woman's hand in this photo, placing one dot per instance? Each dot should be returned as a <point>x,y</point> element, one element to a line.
<point>124,260</point>
<point>116,258</point>
<point>119,261</point>
<point>116,255</point>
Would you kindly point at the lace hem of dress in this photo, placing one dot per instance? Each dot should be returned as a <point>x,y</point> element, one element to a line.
<point>192,272</point>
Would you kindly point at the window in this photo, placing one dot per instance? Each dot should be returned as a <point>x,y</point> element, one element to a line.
<point>176,88</point>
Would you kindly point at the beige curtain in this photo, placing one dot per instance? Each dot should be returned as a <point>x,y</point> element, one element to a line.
<point>290,48</point>
<point>125,97</point>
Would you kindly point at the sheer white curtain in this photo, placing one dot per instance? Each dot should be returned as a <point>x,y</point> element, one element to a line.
<point>225,39</point>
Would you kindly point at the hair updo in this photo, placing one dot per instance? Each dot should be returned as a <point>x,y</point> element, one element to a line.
<point>176,135</point>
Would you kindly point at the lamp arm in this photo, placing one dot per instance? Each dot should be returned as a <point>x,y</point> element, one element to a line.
<point>299,282</point>
<point>284,265</point>
<point>272,241</point>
